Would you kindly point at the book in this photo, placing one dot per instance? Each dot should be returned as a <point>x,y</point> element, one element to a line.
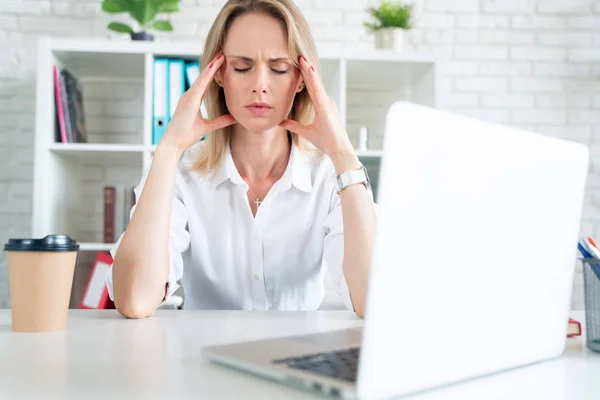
<point>96,295</point>
<point>118,202</point>
<point>574,328</point>
<point>60,105</point>
<point>76,116</point>
<point>109,214</point>
<point>69,107</point>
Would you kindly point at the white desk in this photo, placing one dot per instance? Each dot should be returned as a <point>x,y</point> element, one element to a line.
<point>104,356</point>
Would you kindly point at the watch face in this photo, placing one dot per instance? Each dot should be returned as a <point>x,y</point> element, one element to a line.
<point>366,173</point>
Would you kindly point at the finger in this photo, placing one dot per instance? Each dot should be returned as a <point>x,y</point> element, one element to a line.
<point>296,127</point>
<point>198,88</point>
<point>219,122</point>
<point>313,81</point>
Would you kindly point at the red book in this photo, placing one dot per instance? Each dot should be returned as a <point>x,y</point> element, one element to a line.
<point>109,214</point>
<point>58,95</point>
<point>574,328</point>
<point>95,295</point>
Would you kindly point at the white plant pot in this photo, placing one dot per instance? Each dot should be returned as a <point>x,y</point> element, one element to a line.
<point>390,38</point>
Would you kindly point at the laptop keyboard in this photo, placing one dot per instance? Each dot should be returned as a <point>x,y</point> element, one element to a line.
<point>341,364</point>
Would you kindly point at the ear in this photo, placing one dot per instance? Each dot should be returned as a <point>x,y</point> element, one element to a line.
<point>218,78</point>
<point>301,86</point>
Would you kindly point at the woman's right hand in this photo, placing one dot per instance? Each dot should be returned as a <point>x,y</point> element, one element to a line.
<point>187,125</point>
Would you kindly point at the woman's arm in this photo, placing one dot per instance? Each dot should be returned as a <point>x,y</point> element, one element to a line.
<point>328,134</point>
<point>359,227</point>
<point>141,264</point>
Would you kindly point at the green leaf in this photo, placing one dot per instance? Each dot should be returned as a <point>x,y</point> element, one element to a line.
<point>144,11</point>
<point>120,27</point>
<point>168,8</point>
<point>113,6</point>
<point>163,26</point>
<point>158,3</point>
<point>391,14</point>
<point>372,26</point>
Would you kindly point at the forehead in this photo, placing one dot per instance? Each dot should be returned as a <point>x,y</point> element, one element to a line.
<point>257,36</point>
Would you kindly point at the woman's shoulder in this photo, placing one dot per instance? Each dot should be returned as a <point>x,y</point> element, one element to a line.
<point>321,167</point>
<point>191,154</point>
<point>319,162</point>
<point>186,167</point>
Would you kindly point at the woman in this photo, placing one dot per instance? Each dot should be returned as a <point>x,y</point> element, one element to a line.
<point>250,217</point>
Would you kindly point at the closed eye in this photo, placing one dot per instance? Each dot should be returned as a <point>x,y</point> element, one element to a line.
<point>242,70</point>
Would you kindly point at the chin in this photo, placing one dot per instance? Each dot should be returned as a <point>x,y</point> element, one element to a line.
<point>258,124</point>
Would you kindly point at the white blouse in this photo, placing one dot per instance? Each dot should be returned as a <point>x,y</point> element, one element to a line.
<point>227,259</point>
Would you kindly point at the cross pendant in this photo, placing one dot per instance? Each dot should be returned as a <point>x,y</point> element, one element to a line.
<point>257,202</point>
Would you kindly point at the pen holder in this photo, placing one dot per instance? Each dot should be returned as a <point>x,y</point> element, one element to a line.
<point>591,279</point>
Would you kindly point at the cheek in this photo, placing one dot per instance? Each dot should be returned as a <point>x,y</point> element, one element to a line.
<point>234,87</point>
<point>234,83</point>
<point>288,93</point>
<point>286,89</point>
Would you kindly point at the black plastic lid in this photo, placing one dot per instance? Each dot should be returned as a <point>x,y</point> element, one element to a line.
<point>48,243</point>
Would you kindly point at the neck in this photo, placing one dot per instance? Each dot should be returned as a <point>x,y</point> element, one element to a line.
<point>260,156</point>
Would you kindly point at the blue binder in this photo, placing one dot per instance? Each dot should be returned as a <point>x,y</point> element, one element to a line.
<point>176,84</point>
<point>192,69</point>
<point>160,99</point>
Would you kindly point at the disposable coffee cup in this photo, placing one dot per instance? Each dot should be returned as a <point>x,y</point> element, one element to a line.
<point>40,274</point>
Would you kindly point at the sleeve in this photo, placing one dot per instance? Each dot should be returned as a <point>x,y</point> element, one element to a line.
<point>179,238</point>
<point>334,245</point>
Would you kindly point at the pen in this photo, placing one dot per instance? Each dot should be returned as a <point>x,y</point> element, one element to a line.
<point>587,254</point>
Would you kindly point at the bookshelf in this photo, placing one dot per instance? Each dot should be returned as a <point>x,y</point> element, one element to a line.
<point>116,77</point>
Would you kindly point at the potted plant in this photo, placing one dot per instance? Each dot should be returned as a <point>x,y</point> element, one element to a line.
<point>144,13</point>
<point>390,20</point>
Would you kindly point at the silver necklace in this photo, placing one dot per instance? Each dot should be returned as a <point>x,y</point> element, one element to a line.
<point>258,202</point>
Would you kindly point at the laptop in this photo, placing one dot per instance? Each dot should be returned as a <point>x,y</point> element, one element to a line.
<point>472,265</point>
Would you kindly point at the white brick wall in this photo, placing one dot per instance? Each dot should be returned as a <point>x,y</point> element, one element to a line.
<point>527,63</point>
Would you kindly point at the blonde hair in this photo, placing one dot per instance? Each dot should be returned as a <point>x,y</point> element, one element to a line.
<point>300,42</point>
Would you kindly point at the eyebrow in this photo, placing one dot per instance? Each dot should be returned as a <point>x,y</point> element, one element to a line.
<point>271,60</point>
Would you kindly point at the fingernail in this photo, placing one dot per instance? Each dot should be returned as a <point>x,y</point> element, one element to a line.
<point>219,56</point>
<point>312,69</point>
<point>302,57</point>
<point>210,66</point>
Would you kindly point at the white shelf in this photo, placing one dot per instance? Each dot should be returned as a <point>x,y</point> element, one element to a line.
<point>97,147</point>
<point>105,154</point>
<point>122,58</point>
<point>95,246</point>
<point>99,64</point>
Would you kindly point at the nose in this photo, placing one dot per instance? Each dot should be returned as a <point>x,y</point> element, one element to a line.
<point>261,82</point>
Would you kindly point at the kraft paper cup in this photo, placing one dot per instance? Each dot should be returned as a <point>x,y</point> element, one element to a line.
<point>40,273</point>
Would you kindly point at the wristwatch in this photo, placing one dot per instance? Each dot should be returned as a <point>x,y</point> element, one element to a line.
<point>351,177</point>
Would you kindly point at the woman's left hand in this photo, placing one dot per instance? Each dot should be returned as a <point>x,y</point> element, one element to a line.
<point>326,132</point>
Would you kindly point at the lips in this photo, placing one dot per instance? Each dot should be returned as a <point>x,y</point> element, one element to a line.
<point>260,104</point>
<point>259,108</point>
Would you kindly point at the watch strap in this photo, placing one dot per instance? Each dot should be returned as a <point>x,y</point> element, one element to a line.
<point>352,177</point>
